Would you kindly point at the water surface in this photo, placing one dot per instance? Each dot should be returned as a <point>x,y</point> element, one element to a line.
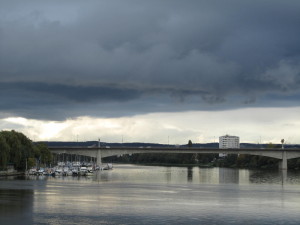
<point>131,194</point>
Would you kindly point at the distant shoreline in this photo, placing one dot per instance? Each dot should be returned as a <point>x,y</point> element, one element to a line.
<point>170,164</point>
<point>10,173</point>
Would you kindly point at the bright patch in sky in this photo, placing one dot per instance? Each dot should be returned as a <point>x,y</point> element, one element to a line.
<point>259,125</point>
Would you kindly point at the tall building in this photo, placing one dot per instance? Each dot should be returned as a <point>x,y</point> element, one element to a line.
<point>228,141</point>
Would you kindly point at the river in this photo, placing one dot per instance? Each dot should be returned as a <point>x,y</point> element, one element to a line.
<point>132,194</point>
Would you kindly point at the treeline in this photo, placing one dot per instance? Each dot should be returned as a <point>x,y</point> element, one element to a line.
<point>255,162</point>
<point>211,160</point>
<point>172,158</point>
<point>18,150</point>
<point>248,161</point>
<point>165,159</point>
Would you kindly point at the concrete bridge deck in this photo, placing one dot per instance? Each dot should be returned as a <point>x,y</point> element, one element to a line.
<point>101,152</point>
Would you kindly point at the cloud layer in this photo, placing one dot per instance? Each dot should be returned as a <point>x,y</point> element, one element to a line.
<point>259,125</point>
<point>105,58</point>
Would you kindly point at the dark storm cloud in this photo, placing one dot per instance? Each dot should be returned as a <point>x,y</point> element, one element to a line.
<point>62,92</point>
<point>152,55</point>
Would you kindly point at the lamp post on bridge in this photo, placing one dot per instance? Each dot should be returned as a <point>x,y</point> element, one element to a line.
<point>282,142</point>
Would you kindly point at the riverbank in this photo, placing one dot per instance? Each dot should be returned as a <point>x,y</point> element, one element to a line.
<point>178,165</point>
<point>210,165</point>
<point>10,173</point>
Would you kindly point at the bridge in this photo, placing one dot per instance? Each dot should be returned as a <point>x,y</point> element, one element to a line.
<point>101,152</point>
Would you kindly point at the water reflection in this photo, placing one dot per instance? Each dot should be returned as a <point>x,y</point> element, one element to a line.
<point>190,174</point>
<point>16,202</point>
<point>228,176</point>
<point>132,194</point>
<point>283,177</point>
<point>266,177</point>
<point>168,174</point>
<point>176,175</point>
<point>197,175</point>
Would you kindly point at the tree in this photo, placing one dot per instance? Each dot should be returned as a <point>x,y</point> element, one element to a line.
<point>190,144</point>
<point>4,152</point>
<point>282,142</point>
<point>16,148</point>
<point>13,141</point>
<point>43,153</point>
<point>271,145</point>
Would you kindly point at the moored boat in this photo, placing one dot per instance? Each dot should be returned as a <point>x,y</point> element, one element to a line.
<point>58,172</point>
<point>83,170</point>
<point>108,166</point>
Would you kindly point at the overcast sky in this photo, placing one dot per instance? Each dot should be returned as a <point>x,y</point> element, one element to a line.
<point>155,71</point>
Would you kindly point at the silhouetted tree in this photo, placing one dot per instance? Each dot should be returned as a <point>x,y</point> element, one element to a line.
<point>18,149</point>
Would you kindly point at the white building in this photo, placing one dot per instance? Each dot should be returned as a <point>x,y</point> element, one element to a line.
<point>228,141</point>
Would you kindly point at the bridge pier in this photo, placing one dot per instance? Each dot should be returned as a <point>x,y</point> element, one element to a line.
<point>283,161</point>
<point>99,161</point>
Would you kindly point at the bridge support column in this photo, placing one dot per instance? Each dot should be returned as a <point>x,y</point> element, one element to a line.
<point>283,162</point>
<point>99,161</point>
